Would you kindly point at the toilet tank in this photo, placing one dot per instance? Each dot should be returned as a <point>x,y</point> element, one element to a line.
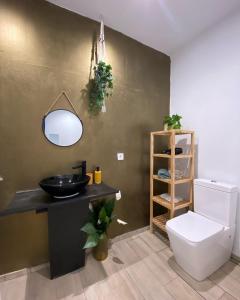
<point>216,201</point>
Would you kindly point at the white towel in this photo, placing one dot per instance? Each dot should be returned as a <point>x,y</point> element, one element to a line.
<point>167,197</point>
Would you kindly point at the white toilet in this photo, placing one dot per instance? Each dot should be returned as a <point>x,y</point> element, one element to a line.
<point>202,241</point>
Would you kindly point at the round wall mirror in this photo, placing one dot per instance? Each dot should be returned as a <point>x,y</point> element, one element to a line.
<point>62,127</point>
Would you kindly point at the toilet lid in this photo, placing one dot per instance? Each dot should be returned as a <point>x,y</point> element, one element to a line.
<point>193,227</point>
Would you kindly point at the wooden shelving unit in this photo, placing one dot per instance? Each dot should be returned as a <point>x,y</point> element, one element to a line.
<point>172,206</point>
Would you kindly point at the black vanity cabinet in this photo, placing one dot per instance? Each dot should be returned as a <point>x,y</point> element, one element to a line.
<point>65,238</point>
<point>65,219</point>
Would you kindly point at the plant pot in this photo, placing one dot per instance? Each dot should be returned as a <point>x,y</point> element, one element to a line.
<point>176,129</point>
<point>100,252</point>
<point>165,127</point>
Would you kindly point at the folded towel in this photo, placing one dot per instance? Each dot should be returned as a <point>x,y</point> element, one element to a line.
<point>163,173</point>
<point>166,174</point>
<point>167,197</point>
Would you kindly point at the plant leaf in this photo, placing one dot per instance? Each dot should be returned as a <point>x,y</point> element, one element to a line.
<point>89,228</point>
<point>102,214</point>
<point>107,220</point>
<point>109,207</point>
<point>92,241</point>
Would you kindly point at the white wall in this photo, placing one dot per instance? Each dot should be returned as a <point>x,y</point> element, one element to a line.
<point>205,90</point>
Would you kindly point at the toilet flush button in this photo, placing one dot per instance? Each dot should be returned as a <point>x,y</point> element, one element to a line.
<point>214,181</point>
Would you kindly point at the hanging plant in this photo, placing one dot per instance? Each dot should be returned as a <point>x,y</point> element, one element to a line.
<point>100,86</point>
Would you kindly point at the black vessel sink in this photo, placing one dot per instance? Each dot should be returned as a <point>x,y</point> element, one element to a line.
<point>64,186</point>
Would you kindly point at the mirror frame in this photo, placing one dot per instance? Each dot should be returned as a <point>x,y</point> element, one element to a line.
<point>43,127</point>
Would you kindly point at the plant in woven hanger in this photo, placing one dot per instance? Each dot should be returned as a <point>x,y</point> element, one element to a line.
<point>100,86</point>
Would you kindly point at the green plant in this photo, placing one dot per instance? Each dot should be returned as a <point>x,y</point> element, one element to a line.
<point>101,216</point>
<point>100,86</point>
<point>173,122</point>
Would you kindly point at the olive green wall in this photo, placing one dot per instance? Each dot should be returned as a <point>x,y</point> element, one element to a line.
<point>45,49</point>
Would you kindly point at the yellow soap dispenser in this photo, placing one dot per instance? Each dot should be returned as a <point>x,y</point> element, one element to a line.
<point>98,176</point>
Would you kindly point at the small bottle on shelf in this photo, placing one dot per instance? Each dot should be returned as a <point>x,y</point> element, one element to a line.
<point>98,176</point>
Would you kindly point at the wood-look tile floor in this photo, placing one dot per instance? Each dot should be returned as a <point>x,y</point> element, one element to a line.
<point>138,267</point>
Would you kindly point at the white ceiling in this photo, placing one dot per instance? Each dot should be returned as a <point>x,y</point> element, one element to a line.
<point>164,25</point>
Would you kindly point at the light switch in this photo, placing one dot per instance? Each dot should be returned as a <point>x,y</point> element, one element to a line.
<point>120,156</point>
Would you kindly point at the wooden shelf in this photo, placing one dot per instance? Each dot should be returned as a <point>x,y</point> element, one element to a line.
<point>174,156</point>
<point>160,221</point>
<point>178,181</point>
<point>184,180</point>
<point>169,132</point>
<point>171,205</point>
<point>167,204</point>
<point>161,179</point>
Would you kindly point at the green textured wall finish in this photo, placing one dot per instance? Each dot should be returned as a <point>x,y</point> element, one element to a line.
<point>45,49</point>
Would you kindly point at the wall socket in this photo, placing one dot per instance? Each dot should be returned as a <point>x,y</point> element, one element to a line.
<point>120,156</point>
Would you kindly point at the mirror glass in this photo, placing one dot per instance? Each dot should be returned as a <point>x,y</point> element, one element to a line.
<point>62,127</point>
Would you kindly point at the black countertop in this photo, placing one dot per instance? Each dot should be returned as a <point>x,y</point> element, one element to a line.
<point>39,201</point>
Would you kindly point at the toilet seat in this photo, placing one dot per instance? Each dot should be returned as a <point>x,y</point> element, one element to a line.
<point>193,227</point>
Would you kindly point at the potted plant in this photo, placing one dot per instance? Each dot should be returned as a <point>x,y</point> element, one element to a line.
<point>101,216</point>
<point>100,86</point>
<point>172,122</point>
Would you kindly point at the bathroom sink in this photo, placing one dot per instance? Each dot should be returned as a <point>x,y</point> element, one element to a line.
<point>64,186</point>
